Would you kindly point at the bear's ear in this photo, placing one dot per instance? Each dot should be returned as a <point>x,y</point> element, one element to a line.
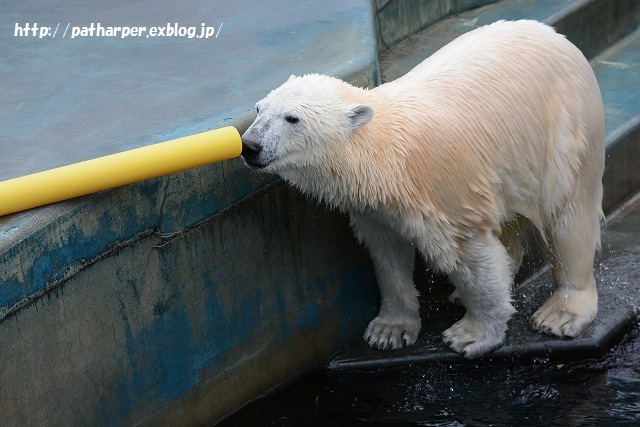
<point>359,115</point>
<point>291,77</point>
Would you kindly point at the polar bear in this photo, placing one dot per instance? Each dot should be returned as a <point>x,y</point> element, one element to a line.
<point>501,128</point>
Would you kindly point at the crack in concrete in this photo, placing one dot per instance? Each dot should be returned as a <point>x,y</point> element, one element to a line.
<point>70,271</point>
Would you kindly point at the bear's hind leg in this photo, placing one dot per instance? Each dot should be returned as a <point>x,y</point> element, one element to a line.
<point>398,322</point>
<point>483,281</point>
<point>573,238</point>
<point>511,238</point>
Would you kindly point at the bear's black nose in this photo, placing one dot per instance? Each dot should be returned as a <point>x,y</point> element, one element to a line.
<point>251,150</point>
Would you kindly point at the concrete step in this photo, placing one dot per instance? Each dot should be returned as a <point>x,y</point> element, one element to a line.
<point>398,19</point>
<point>618,281</point>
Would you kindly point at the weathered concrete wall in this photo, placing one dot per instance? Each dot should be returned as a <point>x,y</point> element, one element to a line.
<point>172,331</point>
<point>43,247</point>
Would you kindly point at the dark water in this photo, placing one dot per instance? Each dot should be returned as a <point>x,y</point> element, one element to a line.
<point>605,392</point>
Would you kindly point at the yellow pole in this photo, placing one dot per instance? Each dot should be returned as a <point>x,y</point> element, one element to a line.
<point>118,169</point>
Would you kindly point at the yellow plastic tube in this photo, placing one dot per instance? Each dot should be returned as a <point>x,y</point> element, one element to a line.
<point>118,169</point>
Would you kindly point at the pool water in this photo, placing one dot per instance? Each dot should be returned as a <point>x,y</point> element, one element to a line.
<point>588,393</point>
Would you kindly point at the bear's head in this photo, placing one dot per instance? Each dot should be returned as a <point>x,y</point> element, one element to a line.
<point>302,123</point>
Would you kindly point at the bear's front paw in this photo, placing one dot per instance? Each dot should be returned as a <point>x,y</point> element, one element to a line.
<point>472,339</point>
<point>386,333</point>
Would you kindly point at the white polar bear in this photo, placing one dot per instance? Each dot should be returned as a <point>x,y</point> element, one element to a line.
<point>503,126</point>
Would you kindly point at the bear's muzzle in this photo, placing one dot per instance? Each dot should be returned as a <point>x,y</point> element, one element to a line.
<point>251,150</point>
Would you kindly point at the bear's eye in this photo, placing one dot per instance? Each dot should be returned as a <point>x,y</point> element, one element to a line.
<point>292,119</point>
<point>257,109</point>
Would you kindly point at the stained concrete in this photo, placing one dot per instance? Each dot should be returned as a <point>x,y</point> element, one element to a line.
<point>179,330</point>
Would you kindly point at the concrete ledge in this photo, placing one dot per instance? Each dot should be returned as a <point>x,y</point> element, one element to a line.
<point>621,94</point>
<point>41,248</point>
<point>591,25</point>
<point>622,175</point>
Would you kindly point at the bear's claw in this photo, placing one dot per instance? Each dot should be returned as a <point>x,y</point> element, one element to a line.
<point>391,335</point>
